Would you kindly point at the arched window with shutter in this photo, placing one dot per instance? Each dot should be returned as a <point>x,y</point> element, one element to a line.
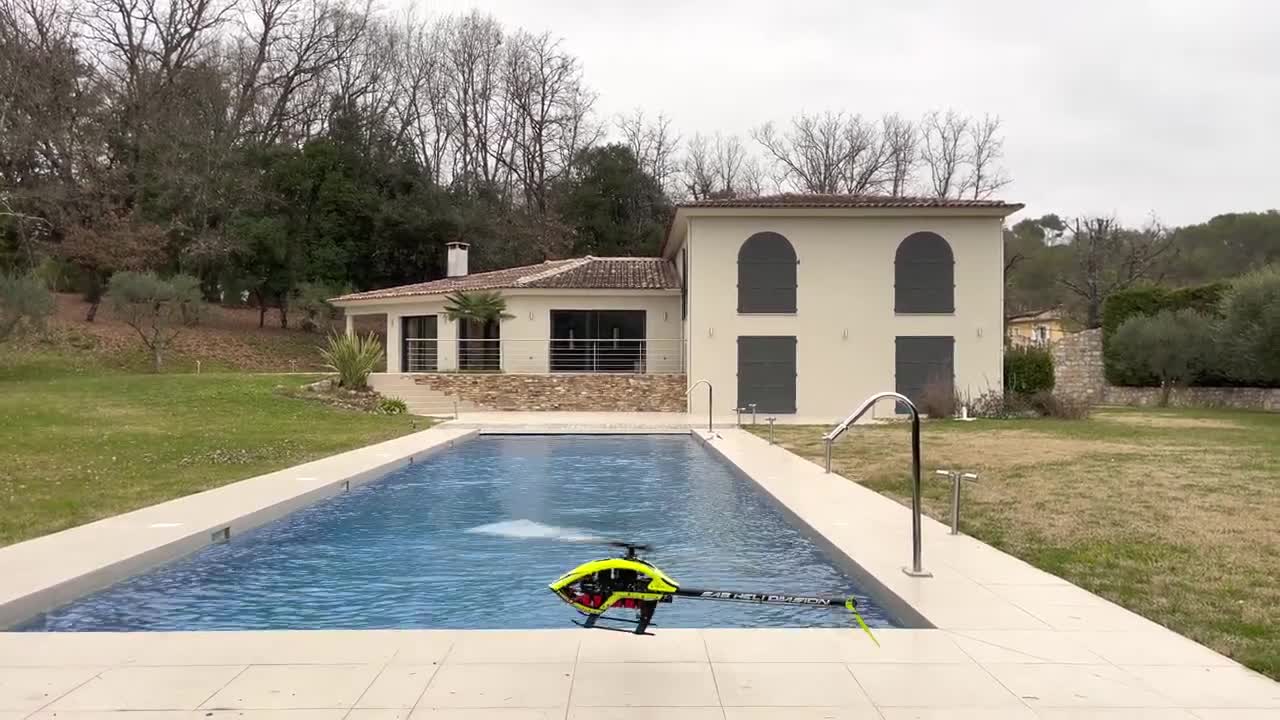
<point>924,275</point>
<point>766,274</point>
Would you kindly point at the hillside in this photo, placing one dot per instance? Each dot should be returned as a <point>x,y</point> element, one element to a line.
<point>225,339</point>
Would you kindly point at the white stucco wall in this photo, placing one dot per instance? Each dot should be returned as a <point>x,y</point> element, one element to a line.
<point>845,323</point>
<point>525,335</point>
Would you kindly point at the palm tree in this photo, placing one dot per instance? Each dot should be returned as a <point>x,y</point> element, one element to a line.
<point>480,307</point>
<point>478,315</point>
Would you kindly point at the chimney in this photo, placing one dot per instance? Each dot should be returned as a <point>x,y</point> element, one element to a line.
<point>457,262</point>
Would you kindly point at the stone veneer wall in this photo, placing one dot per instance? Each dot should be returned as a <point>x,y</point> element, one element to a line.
<point>1243,398</point>
<point>1079,374</point>
<point>575,392</point>
<point>1077,366</point>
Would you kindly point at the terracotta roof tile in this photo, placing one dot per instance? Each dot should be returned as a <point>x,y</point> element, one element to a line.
<point>798,200</point>
<point>587,273</point>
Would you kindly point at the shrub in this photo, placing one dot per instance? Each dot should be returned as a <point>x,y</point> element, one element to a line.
<point>57,274</point>
<point>1028,370</point>
<point>392,406</point>
<point>353,358</point>
<point>154,307</point>
<point>992,404</point>
<point>1250,330</point>
<point>312,300</point>
<point>1150,300</point>
<point>938,400</point>
<point>25,303</point>
<point>1046,404</point>
<point>1173,347</point>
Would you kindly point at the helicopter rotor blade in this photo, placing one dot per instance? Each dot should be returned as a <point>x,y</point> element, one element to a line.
<point>524,529</point>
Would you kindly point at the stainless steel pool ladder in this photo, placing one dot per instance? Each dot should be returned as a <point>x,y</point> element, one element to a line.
<point>710,399</point>
<point>917,565</point>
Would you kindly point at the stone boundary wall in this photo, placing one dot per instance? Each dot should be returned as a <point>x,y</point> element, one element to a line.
<point>574,392</point>
<point>1079,375</point>
<point>1077,366</point>
<point>1240,398</point>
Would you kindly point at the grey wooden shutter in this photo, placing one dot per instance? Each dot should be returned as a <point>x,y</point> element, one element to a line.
<point>919,361</point>
<point>924,275</point>
<point>767,372</point>
<point>766,274</point>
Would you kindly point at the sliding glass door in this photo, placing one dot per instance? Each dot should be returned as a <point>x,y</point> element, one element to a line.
<point>418,352</point>
<point>605,341</point>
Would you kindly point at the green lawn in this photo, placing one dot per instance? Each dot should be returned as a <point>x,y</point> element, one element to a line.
<point>1174,514</point>
<point>81,444</point>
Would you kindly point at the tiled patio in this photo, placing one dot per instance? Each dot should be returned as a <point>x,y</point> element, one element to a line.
<point>576,673</point>
<point>1011,641</point>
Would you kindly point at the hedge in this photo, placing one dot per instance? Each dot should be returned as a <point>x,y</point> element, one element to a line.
<point>1028,370</point>
<point>1151,300</point>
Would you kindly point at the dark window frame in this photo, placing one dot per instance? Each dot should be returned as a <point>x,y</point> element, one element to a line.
<point>767,275</point>
<point>924,275</point>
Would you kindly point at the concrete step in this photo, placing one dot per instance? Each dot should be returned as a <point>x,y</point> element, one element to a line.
<point>420,399</point>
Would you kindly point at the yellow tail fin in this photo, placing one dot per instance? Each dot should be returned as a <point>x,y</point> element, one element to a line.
<point>853,608</point>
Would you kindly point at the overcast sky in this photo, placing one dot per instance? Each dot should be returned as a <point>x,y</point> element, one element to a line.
<point>1133,107</point>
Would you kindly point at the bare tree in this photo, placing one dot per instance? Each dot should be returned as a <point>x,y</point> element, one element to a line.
<point>840,153</point>
<point>696,168</point>
<point>867,158</point>
<point>543,85</point>
<point>811,154</point>
<point>1106,258</point>
<point>717,167</point>
<point>728,156</point>
<point>478,107</point>
<point>944,152</point>
<point>653,143</point>
<point>751,178</point>
<point>986,148</point>
<point>902,145</point>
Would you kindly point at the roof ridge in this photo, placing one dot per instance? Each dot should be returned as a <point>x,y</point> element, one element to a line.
<point>568,264</point>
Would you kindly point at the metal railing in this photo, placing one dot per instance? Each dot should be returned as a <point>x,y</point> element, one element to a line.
<point>710,399</point>
<point>957,479</point>
<point>554,355</point>
<point>421,355</point>
<point>917,565</point>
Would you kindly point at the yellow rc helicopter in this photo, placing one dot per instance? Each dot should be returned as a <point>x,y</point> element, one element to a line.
<point>629,583</point>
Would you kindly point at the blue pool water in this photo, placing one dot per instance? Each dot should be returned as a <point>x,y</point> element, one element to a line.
<point>396,553</point>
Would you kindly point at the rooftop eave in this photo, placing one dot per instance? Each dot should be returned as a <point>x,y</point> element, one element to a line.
<point>680,222</point>
<point>514,291</point>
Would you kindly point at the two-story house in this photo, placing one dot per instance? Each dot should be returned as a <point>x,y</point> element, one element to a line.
<point>802,305</point>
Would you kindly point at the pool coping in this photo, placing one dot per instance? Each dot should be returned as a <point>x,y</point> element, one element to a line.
<point>1004,631</point>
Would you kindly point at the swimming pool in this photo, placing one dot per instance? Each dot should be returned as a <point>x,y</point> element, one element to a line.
<point>396,553</point>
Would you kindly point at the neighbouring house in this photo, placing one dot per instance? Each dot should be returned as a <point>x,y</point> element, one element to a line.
<point>1037,328</point>
<point>802,305</point>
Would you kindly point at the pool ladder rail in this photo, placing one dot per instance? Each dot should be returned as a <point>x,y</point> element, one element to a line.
<point>917,564</point>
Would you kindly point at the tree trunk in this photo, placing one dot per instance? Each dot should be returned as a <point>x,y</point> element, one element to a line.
<point>1094,318</point>
<point>94,295</point>
<point>262,313</point>
<point>1166,387</point>
<point>284,316</point>
<point>157,357</point>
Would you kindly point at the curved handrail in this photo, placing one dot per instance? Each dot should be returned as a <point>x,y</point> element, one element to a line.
<point>917,568</point>
<point>710,399</point>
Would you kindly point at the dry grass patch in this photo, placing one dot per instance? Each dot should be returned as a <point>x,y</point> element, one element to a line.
<point>1168,421</point>
<point>1170,513</point>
